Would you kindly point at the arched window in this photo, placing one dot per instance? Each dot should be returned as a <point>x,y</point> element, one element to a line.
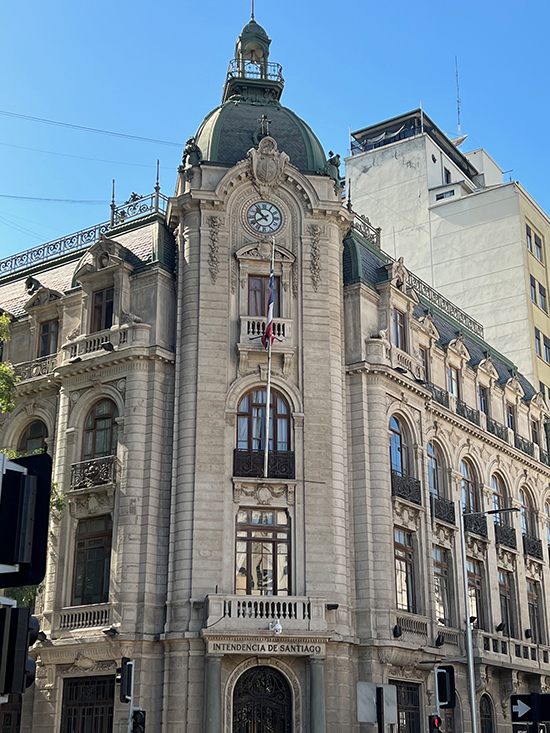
<point>251,422</point>
<point>92,561</point>
<point>528,524</point>
<point>399,448</point>
<point>470,497</point>
<point>34,437</point>
<point>100,431</point>
<point>500,500</point>
<point>547,522</point>
<point>436,474</point>
<point>486,714</point>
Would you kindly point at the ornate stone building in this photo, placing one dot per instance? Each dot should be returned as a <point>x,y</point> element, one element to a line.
<point>251,602</point>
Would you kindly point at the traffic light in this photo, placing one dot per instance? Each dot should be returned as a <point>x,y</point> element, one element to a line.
<point>18,631</point>
<point>434,723</point>
<point>124,677</point>
<point>445,686</point>
<point>138,721</point>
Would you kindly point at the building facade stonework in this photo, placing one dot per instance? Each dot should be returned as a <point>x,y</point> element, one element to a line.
<point>143,374</point>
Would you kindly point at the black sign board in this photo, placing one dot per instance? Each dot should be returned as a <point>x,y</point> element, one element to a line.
<point>530,708</point>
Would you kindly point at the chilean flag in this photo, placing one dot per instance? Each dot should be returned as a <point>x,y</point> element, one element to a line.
<point>268,338</point>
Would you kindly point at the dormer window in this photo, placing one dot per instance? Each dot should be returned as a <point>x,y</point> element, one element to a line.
<point>102,313</point>
<point>453,384</point>
<point>49,332</point>
<point>511,416</point>
<point>399,329</point>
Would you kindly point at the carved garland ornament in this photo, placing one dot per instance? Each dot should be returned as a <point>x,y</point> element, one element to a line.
<point>315,262</point>
<point>214,222</point>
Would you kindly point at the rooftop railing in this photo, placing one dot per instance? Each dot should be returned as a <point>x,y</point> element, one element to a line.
<point>242,69</point>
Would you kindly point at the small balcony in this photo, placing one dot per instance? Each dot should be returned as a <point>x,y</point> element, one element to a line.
<point>524,445</point>
<point>439,395</point>
<point>406,487</point>
<point>544,457</point>
<point>476,523</point>
<point>96,616</point>
<point>532,546</point>
<point>244,69</point>
<point>255,613</point>
<point>93,473</point>
<point>443,509</point>
<point>40,367</point>
<point>467,412</point>
<point>111,339</point>
<point>505,536</point>
<point>253,328</point>
<point>496,428</point>
<point>250,464</point>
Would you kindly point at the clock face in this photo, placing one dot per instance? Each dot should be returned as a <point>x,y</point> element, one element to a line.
<point>264,217</point>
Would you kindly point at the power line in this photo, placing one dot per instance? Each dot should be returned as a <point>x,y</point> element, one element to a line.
<point>88,129</point>
<point>57,201</point>
<point>82,157</point>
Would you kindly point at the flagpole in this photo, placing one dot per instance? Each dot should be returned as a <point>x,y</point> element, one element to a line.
<point>268,389</point>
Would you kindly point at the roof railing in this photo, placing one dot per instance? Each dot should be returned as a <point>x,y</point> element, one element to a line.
<point>243,69</point>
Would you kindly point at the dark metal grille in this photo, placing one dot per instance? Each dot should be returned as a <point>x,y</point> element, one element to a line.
<point>505,535</point>
<point>476,523</point>
<point>467,412</point>
<point>408,706</point>
<point>544,457</point>
<point>262,702</point>
<point>439,395</point>
<point>88,705</point>
<point>406,487</point>
<point>97,472</point>
<point>524,445</point>
<point>251,464</point>
<point>496,428</point>
<point>532,546</point>
<point>443,509</point>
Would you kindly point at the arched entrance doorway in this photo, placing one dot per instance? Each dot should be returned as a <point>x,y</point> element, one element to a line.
<point>262,702</point>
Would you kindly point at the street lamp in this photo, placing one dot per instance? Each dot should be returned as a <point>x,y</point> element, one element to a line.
<point>469,645</point>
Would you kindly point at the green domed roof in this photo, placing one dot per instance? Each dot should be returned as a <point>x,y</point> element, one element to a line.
<point>229,131</point>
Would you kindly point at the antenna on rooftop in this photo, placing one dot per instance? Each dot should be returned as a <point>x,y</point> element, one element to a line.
<point>252,11</point>
<point>457,97</point>
<point>113,205</point>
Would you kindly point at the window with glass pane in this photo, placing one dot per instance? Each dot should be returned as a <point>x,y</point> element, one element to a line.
<point>88,704</point>
<point>533,289</point>
<point>452,381</point>
<point>533,604</point>
<point>33,438</point>
<point>486,714</point>
<point>251,422</point>
<point>408,706</point>
<point>483,399</point>
<point>399,329</point>
<point>262,553</point>
<point>507,605</point>
<point>49,332</point>
<point>529,237</point>
<point>442,588</point>
<point>546,349</point>
<point>102,311</point>
<point>404,571</point>
<point>535,432</point>
<point>92,561</point>
<point>470,499</point>
<point>436,476</point>
<point>528,524</point>
<point>100,431</point>
<point>423,353</point>
<point>538,247</point>
<point>399,448</point>
<point>475,592</point>
<point>511,416</point>
<point>547,522</point>
<point>258,295</point>
<point>538,342</point>
<point>542,297</point>
<point>499,500</point>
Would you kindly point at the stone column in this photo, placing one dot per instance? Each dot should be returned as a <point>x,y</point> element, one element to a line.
<point>317,699</point>
<point>214,694</point>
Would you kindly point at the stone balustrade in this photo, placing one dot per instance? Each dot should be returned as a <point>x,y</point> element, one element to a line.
<point>255,613</point>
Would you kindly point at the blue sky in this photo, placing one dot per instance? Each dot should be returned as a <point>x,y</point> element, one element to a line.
<point>157,70</point>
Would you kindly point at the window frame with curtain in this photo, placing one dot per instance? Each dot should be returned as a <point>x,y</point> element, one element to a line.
<point>405,571</point>
<point>102,310</point>
<point>251,422</point>
<point>263,544</point>
<point>469,487</point>
<point>100,424</point>
<point>32,441</point>
<point>400,452</point>
<point>476,590</point>
<point>436,470</point>
<point>92,561</point>
<point>500,500</point>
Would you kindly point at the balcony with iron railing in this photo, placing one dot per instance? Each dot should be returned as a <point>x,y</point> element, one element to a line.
<point>443,509</point>
<point>250,464</point>
<point>475,523</point>
<point>406,487</point>
<point>496,428</point>
<point>532,546</point>
<point>41,367</point>
<point>93,473</point>
<point>467,412</point>
<point>441,396</point>
<point>246,69</point>
<point>524,445</point>
<point>255,613</point>
<point>505,535</point>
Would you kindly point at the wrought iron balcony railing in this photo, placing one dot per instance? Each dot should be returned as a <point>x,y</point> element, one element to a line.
<point>476,523</point>
<point>467,412</point>
<point>239,69</point>
<point>250,464</point>
<point>524,445</point>
<point>443,509</point>
<point>505,535</point>
<point>439,395</point>
<point>363,225</point>
<point>406,487</point>
<point>40,367</point>
<point>544,457</point>
<point>496,428</point>
<point>92,473</point>
<point>532,546</point>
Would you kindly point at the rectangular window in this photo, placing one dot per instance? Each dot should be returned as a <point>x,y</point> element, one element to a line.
<point>538,247</point>
<point>547,349</point>
<point>533,604</point>
<point>408,706</point>
<point>88,704</point>
<point>507,605</point>
<point>399,329</point>
<point>92,561</point>
<point>538,342</point>
<point>529,236</point>
<point>533,289</point>
<point>542,298</point>
<point>475,593</point>
<point>511,416</point>
<point>262,553</point>
<point>446,195</point>
<point>535,432</point>
<point>446,175</point>
<point>102,314</point>
<point>49,332</point>
<point>542,389</point>
<point>258,296</point>
<point>423,353</point>
<point>483,398</point>
<point>404,571</point>
<point>442,589</point>
<point>452,381</point>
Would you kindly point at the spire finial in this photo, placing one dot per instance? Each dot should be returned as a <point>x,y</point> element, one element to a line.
<point>157,187</point>
<point>252,11</point>
<point>113,205</point>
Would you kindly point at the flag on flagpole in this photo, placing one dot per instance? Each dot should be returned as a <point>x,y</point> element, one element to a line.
<point>268,338</point>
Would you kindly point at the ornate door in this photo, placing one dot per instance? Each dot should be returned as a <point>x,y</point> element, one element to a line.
<point>262,702</point>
